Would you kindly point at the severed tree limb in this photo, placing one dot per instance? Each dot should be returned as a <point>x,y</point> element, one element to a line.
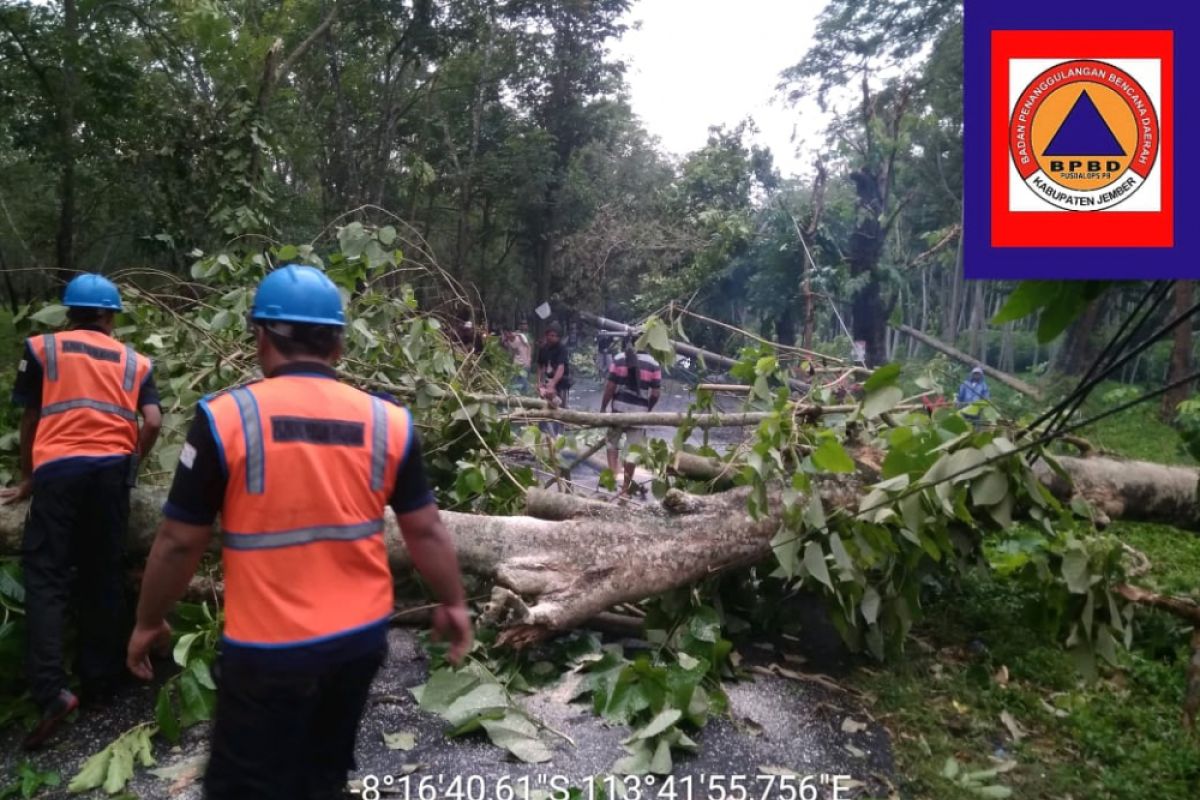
<point>1179,606</point>
<point>1003,377</point>
<point>669,419</point>
<point>552,575</point>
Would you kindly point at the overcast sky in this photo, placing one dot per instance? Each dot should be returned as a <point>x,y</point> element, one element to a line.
<point>696,63</point>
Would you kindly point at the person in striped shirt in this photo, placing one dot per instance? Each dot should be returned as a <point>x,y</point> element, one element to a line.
<point>635,380</point>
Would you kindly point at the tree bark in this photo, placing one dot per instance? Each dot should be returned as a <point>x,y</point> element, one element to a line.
<point>1181,352</point>
<point>553,575</point>
<point>1008,380</point>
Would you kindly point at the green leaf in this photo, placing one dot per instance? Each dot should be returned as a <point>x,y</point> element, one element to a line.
<point>180,653</point>
<point>93,772</point>
<point>637,762</point>
<point>912,513</point>
<point>786,545</point>
<point>993,792</point>
<point>830,456</point>
<point>387,235</point>
<point>287,253</point>
<point>120,766</point>
<point>870,605</point>
<point>443,688</point>
<point>840,554</point>
<point>52,315</point>
<point>887,375</point>
<point>950,769</point>
<point>198,701</point>
<point>1075,570</point>
<point>882,401</point>
<point>164,715</point>
<point>661,763</point>
<point>400,740</point>
<point>1106,645</point>
<point>483,699</point>
<point>990,489</point>
<point>664,719</point>
<point>199,669</point>
<point>516,734</point>
<point>1027,298</point>
<point>814,562</point>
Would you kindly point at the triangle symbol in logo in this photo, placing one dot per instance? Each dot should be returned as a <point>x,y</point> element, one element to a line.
<point>1084,133</point>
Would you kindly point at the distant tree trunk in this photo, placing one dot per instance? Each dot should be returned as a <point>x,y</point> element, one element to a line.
<point>978,311</point>
<point>785,325</point>
<point>64,243</point>
<point>1181,353</point>
<point>1078,350</point>
<point>866,248</point>
<point>950,333</point>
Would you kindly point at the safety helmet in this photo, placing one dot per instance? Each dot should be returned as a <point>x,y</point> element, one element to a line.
<point>977,370</point>
<point>300,294</point>
<point>92,291</point>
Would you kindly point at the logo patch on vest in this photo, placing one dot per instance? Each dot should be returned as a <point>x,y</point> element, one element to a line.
<point>98,353</point>
<point>317,431</point>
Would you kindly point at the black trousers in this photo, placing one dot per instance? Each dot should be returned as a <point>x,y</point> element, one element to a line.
<point>72,556</point>
<point>286,735</point>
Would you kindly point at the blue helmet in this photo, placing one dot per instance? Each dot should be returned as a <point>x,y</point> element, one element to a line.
<point>298,294</point>
<point>92,291</point>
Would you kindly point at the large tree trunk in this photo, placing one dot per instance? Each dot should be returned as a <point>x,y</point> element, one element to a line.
<point>1181,352</point>
<point>552,575</point>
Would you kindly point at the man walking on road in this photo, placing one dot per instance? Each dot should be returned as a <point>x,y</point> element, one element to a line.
<point>299,467</point>
<point>634,379</point>
<point>80,449</point>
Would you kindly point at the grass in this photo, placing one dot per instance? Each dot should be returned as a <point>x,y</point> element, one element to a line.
<point>1119,738</point>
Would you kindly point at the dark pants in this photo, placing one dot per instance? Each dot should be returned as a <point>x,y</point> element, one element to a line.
<point>72,556</point>
<point>286,735</point>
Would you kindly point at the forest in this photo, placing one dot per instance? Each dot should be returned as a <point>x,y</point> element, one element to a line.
<point>1008,593</point>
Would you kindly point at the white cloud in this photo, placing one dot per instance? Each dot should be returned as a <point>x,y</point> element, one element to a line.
<point>696,63</point>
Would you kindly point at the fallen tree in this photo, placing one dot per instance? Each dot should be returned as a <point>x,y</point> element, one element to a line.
<point>571,558</point>
<point>1003,377</point>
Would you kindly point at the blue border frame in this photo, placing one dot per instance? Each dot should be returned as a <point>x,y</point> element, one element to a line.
<point>980,259</point>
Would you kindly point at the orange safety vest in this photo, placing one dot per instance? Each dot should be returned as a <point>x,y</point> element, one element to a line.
<point>90,386</point>
<point>310,466</point>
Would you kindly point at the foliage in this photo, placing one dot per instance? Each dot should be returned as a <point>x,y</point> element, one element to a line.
<point>194,649</point>
<point>477,696</point>
<point>980,658</point>
<point>29,782</point>
<point>113,766</point>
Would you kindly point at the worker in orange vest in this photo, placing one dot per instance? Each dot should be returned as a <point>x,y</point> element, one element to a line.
<point>300,468</point>
<point>80,447</point>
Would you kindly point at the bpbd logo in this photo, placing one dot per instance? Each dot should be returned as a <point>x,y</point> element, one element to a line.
<point>1084,136</point>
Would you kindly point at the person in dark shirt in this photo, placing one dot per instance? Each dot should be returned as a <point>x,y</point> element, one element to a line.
<point>554,368</point>
<point>299,468</point>
<point>81,444</point>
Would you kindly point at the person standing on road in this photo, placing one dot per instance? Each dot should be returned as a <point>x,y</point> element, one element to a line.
<point>554,368</point>
<point>973,390</point>
<point>80,449</point>
<point>634,379</point>
<point>299,466</point>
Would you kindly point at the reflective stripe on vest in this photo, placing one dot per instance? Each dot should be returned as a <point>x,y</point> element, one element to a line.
<point>252,430</point>
<point>51,357</point>
<point>95,405</point>
<point>379,451</point>
<point>311,465</point>
<point>131,366</point>
<point>90,386</point>
<point>297,536</point>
